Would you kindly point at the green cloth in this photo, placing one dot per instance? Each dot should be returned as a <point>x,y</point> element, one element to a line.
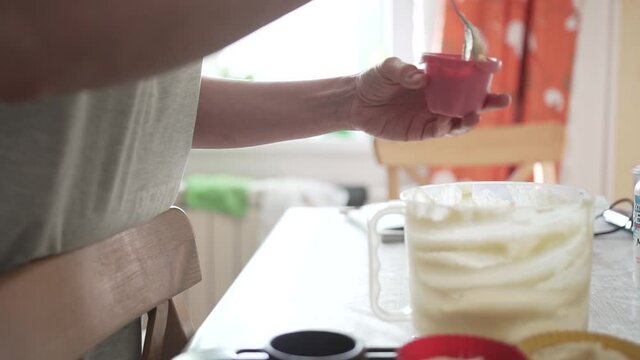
<point>220,193</point>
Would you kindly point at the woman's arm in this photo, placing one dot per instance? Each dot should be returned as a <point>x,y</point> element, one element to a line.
<point>386,101</point>
<point>242,113</point>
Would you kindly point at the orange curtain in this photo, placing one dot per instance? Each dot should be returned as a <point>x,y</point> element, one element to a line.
<point>535,39</point>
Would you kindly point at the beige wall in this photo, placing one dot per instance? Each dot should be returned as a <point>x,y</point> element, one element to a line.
<point>627,127</point>
<point>591,108</point>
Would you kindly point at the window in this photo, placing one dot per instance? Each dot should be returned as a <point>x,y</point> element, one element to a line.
<point>328,38</point>
<point>323,38</point>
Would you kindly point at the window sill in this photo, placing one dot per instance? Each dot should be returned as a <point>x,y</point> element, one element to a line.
<point>319,145</point>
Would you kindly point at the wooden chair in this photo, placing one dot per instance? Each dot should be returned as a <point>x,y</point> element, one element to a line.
<point>61,306</point>
<point>534,149</point>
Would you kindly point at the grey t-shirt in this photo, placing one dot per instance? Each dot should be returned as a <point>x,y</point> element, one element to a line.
<point>80,167</point>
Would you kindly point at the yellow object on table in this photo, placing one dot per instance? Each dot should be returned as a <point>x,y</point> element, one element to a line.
<point>538,346</point>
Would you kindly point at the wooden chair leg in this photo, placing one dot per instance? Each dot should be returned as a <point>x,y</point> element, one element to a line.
<point>523,172</point>
<point>179,328</point>
<point>418,178</point>
<point>393,179</point>
<point>156,327</point>
<point>549,170</point>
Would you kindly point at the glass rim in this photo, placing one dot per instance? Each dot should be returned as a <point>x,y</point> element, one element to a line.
<point>580,193</point>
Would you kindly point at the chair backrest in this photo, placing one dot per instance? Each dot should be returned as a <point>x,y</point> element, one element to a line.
<point>61,306</point>
<point>534,149</point>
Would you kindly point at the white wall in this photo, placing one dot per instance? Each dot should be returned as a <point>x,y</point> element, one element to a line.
<point>591,113</point>
<point>627,126</point>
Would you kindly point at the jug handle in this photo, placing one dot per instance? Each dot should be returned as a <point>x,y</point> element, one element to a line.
<point>374,265</point>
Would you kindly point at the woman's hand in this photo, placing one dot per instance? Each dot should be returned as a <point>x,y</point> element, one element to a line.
<point>389,103</point>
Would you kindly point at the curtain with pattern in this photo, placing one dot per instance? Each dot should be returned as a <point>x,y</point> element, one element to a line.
<point>535,39</point>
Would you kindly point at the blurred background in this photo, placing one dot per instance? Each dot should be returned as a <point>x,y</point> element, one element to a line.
<point>573,62</point>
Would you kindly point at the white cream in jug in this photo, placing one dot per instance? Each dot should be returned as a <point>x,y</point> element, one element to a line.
<point>486,266</point>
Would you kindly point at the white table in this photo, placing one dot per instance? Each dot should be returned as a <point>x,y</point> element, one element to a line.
<point>312,272</point>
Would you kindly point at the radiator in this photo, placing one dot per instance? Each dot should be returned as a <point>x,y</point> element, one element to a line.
<point>225,244</point>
